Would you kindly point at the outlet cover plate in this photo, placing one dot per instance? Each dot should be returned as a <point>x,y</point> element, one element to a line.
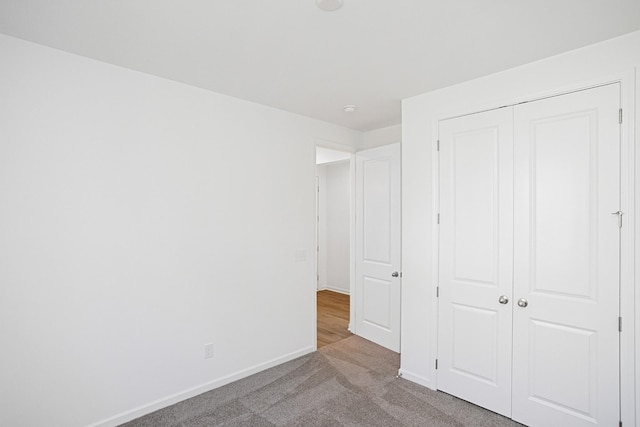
<point>208,351</point>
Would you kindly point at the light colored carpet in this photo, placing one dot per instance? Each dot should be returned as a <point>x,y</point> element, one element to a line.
<point>348,383</point>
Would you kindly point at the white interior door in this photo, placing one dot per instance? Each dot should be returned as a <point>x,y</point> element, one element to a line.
<point>567,184</point>
<point>377,289</point>
<point>476,252</point>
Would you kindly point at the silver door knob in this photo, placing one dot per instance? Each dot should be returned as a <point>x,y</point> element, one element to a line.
<point>523,303</point>
<point>395,274</point>
<point>503,299</point>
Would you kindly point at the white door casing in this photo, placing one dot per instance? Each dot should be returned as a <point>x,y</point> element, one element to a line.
<point>317,252</point>
<point>476,250</point>
<point>378,208</point>
<point>566,185</point>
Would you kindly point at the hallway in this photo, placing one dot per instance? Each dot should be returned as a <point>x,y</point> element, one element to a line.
<point>333,317</point>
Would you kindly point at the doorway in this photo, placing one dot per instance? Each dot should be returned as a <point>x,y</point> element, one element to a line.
<point>358,235</point>
<point>333,244</point>
<point>333,317</point>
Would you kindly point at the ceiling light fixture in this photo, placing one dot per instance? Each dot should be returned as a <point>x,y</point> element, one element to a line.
<point>349,108</point>
<point>329,5</point>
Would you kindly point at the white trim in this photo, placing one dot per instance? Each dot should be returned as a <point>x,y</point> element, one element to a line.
<point>336,290</point>
<point>630,302</point>
<point>635,136</point>
<point>336,146</point>
<point>316,243</point>
<point>352,244</point>
<point>195,391</point>
<point>627,250</point>
<point>335,162</point>
<point>630,197</point>
<point>435,247</point>
<point>531,97</point>
<point>317,227</point>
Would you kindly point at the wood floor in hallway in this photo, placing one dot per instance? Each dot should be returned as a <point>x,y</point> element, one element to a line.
<point>333,317</point>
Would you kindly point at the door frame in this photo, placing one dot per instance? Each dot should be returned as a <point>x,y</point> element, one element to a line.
<point>319,143</point>
<point>629,202</point>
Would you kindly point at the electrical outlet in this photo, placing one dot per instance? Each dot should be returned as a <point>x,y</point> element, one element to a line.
<point>208,351</point>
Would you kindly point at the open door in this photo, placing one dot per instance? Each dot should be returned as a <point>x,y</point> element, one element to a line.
<point>378,278</point>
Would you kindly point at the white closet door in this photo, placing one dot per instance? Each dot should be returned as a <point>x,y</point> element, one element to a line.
<point>566,341</point>
<point>476,239</point>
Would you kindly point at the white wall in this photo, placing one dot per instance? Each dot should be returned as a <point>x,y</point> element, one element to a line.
<point>337,217</point>
<point>383,136</point>
<point>139,219</point>
<point>616,59</point>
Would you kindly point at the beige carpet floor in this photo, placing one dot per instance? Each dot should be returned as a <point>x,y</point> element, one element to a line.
<point>349,383</point>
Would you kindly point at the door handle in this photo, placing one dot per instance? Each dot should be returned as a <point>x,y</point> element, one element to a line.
<point>523,303</point>
<point>503,299</point>
<point>395,274</point>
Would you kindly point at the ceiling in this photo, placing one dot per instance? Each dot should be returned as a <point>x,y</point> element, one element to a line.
<point>291,55</point>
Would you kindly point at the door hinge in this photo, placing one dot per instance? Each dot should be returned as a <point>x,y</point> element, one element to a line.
<point>619,324</point>
<point>619,213</point>
<point>438,219</point>
<point>620,116</point>
<point>438,145</point>
<point>436,363</point>
<point>437,291</point>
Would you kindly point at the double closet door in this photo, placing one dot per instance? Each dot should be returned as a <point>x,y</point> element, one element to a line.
<point>529,259</point>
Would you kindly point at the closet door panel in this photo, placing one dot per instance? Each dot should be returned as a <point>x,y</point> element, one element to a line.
<point>474,339</point>
<point>566,260</point>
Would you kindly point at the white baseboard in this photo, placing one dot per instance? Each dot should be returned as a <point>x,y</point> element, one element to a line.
<point>195,391</point>
<point>418,379</point>
<point>340,291</point>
